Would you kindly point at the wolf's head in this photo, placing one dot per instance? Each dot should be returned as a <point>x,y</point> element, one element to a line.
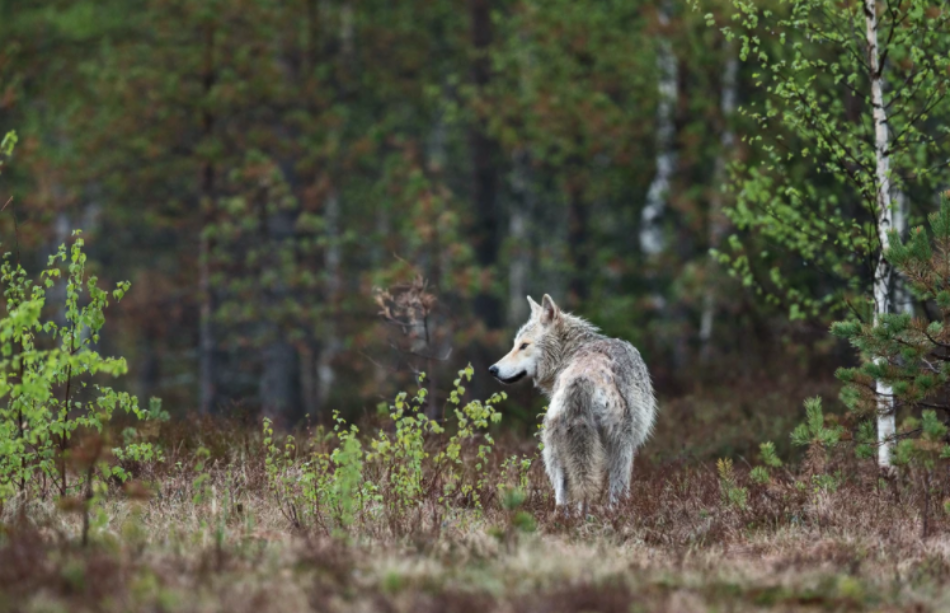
<point>528,351</point>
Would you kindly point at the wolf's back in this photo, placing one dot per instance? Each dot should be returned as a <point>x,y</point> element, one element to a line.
<point>612,368</point>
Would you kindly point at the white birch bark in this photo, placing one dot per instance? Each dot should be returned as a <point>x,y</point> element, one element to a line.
<point>652,240</point>
<point>330,347</point>
<point>332,260</point>
<point>903,301</point>
<point>718,224</point>
<point>882,273</point>
<point>346,30</point>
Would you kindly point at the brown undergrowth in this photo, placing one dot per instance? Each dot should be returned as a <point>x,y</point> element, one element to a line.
<point>204,530</point>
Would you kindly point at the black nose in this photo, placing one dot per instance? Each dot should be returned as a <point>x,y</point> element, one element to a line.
<point>493,371</point>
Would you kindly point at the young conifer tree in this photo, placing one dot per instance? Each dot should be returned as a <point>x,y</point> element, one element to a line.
<point>907,354</point>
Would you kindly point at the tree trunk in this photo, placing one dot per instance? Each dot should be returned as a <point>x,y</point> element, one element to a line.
<point>652,240</point>
<point>206,332</point>
<point>333,254</point>
<point>903,300</point>
<point>308,381</point>
<point>525,197</point>
<point>379,255</point>
<point>484,176</point>
<point>578,245</point>
<point>150,369</point>
<point>206,337</point>
<point>331,341</point>
<point>346,33</point>
<point>278,385</point>
<point>718,224</point>
<point>519,235</point>
<point>882,273</point>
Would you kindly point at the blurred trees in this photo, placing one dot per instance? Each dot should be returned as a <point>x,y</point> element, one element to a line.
<point>258,168</point>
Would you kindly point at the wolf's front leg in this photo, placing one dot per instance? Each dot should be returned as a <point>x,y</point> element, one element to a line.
<point>552,465</point>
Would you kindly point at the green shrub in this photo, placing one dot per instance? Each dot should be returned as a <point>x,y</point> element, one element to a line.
<point>47,376</point>
<point>387,477</point>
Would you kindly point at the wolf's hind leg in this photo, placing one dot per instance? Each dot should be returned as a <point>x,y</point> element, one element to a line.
<point>584,458</point>
<point>555,470</point>
<point>619,468</point>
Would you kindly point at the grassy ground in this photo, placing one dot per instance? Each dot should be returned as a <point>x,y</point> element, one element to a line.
<point>675,545</point>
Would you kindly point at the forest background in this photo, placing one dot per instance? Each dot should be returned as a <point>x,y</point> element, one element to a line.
<point>316,200</point>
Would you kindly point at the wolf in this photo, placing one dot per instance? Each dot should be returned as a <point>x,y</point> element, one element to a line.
<point>602,406</point>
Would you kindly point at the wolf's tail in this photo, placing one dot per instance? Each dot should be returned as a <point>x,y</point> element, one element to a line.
<point>579,443</point>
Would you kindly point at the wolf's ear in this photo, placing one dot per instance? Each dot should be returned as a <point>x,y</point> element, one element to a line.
<point>549,311</point>
<point>535,307</point>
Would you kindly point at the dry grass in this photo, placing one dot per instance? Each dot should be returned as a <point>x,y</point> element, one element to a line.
<point>673,546</point>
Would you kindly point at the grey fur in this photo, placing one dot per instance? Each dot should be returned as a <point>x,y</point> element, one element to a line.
<point>602,406</point>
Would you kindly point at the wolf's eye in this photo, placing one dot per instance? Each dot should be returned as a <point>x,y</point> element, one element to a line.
<point>523,346</point>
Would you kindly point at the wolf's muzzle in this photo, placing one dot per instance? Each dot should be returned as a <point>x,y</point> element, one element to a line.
<point>494,372</point>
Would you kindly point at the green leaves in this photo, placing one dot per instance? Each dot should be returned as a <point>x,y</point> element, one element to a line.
<point>6,146</point>
<point>45,363</point>
<point>815,189</point>
<point>390,473</point>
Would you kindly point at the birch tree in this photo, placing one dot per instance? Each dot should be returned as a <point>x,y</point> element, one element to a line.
<point>718,224</point>
<point>652,240</point>
<point>885,220</point>
<point>331,341</point>
<point>851,115</point>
